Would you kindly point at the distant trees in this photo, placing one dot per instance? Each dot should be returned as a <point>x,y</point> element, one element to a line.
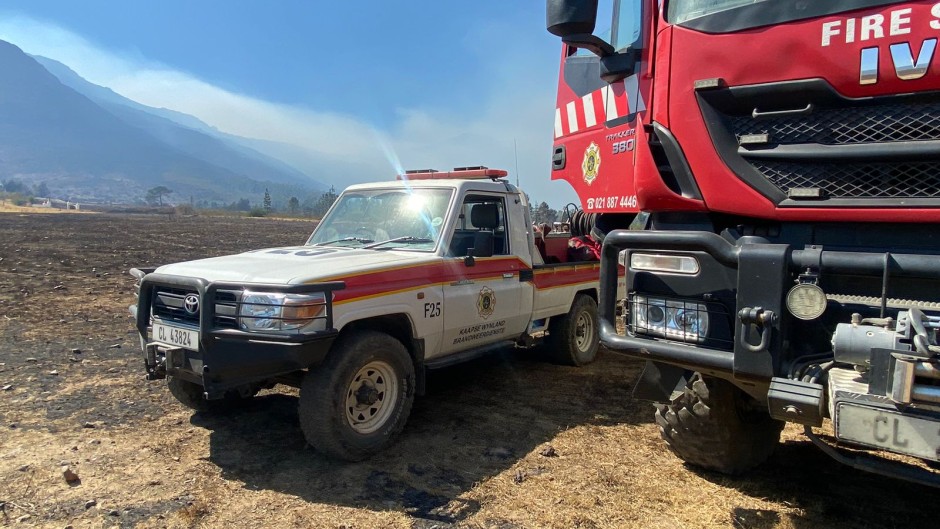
<point>293,205</point>
<point>15,186</point>
<point>543,214</point>
<point>267,200</point>
<point>323,203</point>
<point>41,190</point>
<point>155,195</point>
<point>16,192</point>
<point>242,204</point>
<point>313,205</point>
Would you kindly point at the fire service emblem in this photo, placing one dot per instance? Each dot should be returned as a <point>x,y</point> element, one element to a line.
<point>486,303</point>
<point>591,163</point>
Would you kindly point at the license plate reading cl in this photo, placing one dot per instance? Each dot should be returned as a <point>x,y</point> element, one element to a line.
<point>904,434</point>
<point>167,334</point>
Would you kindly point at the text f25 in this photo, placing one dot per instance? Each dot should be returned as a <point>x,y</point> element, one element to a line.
<point>432,310</point>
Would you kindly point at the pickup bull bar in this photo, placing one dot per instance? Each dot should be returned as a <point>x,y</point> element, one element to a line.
<point>227,357</point>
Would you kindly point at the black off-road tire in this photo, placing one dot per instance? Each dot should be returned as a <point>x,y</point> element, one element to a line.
<point>709,426</point>
<point>190,395</point>
<point>573,337</point>
<point>326,416</point>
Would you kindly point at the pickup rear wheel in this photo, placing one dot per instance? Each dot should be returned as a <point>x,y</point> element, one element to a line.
<point>357,401</point>
<point>710,426</point>
<point>572,337</point>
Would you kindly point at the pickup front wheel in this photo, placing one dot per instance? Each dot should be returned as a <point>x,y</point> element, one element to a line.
<point>357,401</point>
<point>572,337</point>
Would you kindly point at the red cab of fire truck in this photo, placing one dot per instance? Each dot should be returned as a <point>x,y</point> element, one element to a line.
<point>767,170</point>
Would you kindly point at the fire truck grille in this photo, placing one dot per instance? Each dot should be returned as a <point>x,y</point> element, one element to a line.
<point>802,144</point>
<point>848,126</point>
<point>856,180</point>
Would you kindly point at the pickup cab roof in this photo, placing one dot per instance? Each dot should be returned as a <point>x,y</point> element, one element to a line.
<point>461,185</point>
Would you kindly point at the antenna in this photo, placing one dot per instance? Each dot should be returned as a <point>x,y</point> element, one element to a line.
<point>515,152</point>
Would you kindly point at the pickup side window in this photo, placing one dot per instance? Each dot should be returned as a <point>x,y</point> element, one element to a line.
<point>480,213</point>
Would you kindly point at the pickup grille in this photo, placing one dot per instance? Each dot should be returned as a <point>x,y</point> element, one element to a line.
<point>226,309</point>
<point>168,305</point>
<point>802,144</point>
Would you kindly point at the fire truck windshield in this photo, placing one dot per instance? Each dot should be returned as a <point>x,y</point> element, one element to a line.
<point>734,15</point>
<point>682,10</point>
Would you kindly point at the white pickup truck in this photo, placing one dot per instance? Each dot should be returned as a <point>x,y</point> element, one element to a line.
<point>398,278</point>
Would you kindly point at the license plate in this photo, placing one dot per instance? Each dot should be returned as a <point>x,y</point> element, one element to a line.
<point>892,431</point>
<point>176,336</point>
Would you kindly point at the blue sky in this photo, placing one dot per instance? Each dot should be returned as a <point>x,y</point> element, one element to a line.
<point>436,84</point>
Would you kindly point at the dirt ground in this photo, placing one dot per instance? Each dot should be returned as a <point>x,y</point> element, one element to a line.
<point>471,456</point>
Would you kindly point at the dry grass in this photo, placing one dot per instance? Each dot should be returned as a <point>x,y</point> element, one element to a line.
<point>470,456</point>
<point>7,207</point>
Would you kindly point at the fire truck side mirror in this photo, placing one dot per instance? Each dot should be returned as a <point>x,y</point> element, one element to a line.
<point>617,66</point>
<point>570,17</point>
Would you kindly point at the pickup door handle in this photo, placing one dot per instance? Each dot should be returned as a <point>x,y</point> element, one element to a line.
<point>808,109</point>
<point>509,275</point>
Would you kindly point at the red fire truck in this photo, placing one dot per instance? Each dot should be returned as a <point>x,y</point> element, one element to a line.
<point>768,172</point>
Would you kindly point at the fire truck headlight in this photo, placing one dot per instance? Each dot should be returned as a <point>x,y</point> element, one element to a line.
<point>676,264</point>
<point>806,301</point>
<point>669,318</point>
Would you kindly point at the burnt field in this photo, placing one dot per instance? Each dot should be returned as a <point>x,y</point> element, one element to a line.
<point>504,442</point>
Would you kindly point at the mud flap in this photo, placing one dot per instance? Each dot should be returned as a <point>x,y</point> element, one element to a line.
<point>659,382</point>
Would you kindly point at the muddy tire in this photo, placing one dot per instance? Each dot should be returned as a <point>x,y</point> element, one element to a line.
<point>190,395</point>
<point>572,338</point>
<point>355,403</point>
<point>708,426</point>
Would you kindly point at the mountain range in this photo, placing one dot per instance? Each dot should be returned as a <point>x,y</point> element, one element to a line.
<point>87,142</point>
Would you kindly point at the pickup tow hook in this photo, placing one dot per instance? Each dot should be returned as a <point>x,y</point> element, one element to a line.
<point>155,363</point>
<point>763,319</point>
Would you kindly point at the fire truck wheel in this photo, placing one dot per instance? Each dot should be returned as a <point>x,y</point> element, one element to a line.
<point>356,402</point>
<point>572,338</point>
<point>190,395</point>
<point>709,426</point>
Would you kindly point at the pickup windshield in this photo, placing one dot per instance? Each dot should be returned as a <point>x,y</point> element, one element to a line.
<point>719,16</point>
<point>397,218</point>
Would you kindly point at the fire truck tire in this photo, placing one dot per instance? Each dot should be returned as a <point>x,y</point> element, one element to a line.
<point>191,396</point>
<point>572,338</point>
<point>707,426</point>
<point>356,402</point>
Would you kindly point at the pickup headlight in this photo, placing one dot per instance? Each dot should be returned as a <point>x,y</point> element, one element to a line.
<point>287,313</point>
<point>669,318</point>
